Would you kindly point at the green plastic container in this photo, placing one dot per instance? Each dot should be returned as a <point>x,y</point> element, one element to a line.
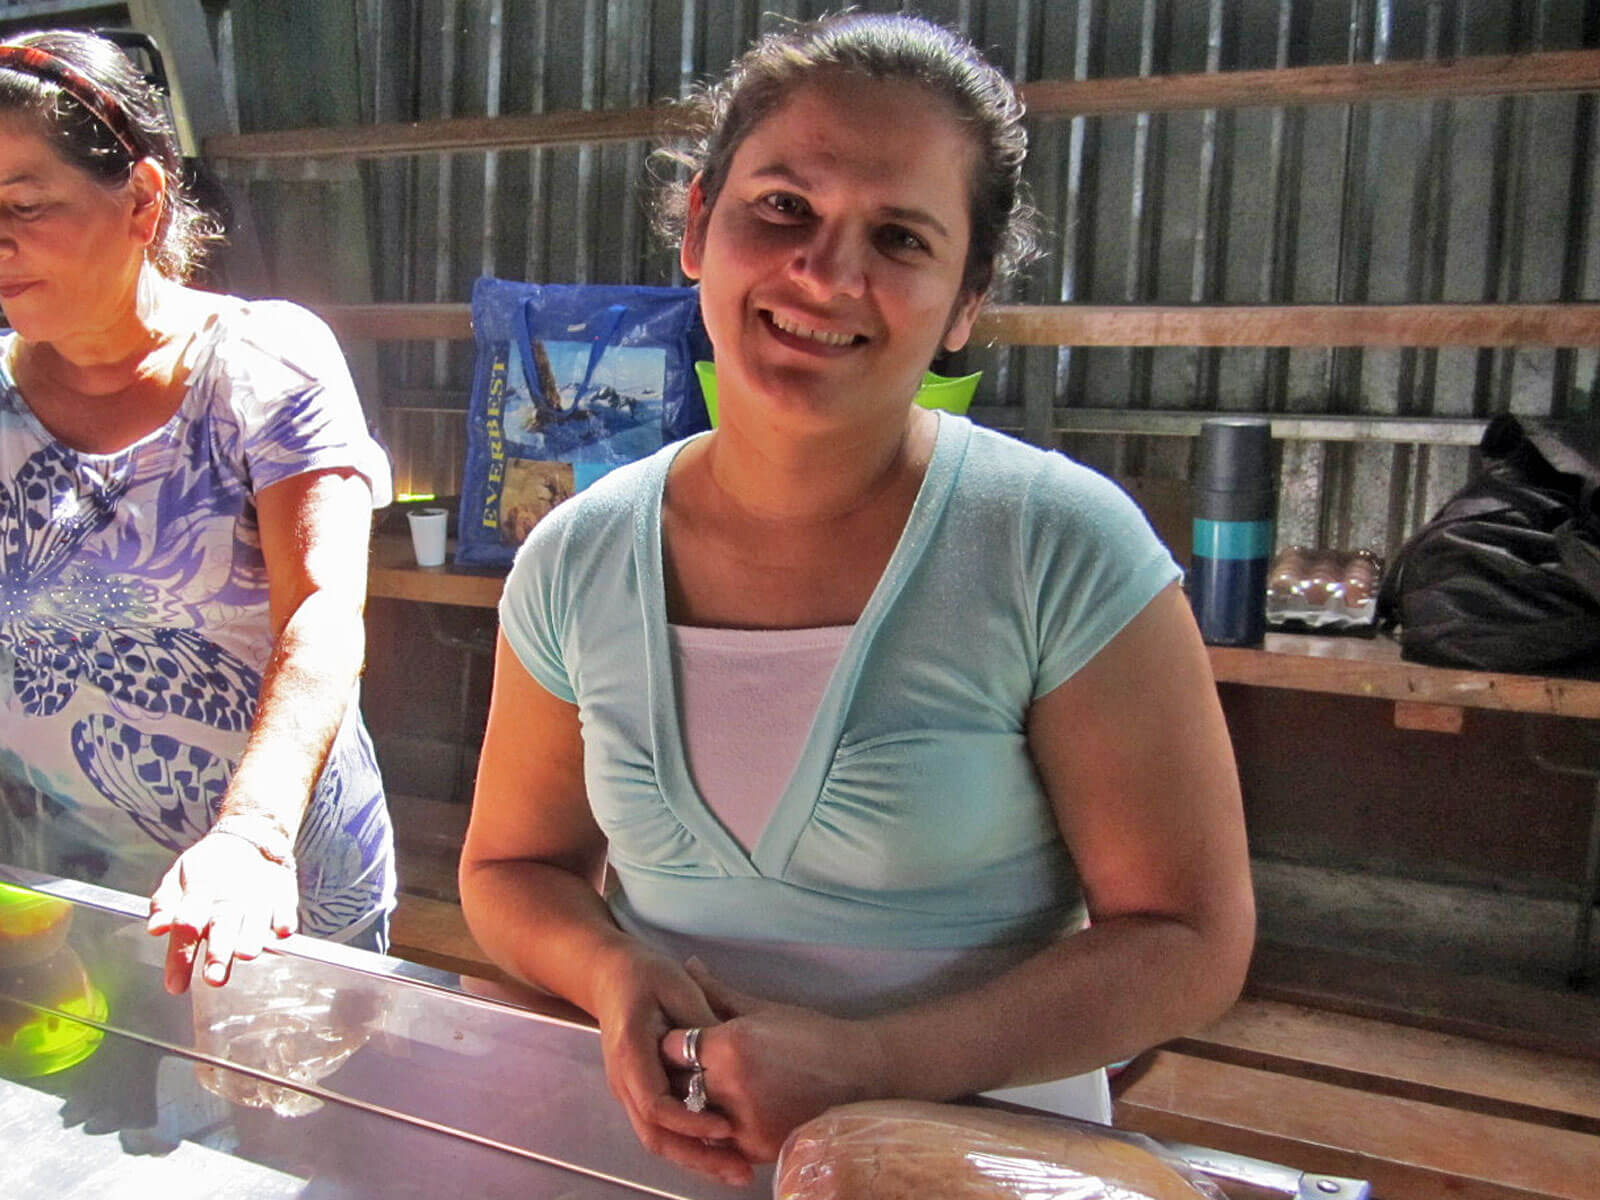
<point>43,1040</point>
<point>948,393</point>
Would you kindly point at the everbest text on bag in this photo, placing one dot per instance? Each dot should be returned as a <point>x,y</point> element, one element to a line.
<point>571,381</point>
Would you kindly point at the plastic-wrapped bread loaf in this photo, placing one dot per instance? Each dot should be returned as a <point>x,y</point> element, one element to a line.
<point>906,1150</point>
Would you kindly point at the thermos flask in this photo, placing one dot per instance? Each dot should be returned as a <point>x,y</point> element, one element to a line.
<point>1234,495</point>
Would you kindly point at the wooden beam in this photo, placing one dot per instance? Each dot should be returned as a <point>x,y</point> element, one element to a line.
<point>1293,427</point>
<point>1373,668</point>
<point>400,322</point>
<point>1304,325</point>
<point>1547,71</point>
<point>1343,83</point>
<point>1291,325</point>
<point>520,131</point>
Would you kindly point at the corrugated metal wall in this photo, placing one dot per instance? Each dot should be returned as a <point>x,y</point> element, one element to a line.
<point>1465,200</point>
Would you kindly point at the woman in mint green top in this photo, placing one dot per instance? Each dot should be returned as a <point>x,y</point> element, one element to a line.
<point>1016,729</point>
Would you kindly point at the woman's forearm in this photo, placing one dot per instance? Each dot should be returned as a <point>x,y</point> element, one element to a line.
<point>305,696</point>
<point>544,925</point>
<point>1096,997</point>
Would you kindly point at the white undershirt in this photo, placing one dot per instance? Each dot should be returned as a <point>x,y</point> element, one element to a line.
<point>746,700</point>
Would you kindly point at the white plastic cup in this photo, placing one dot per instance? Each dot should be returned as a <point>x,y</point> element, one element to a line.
<point>427,535</point>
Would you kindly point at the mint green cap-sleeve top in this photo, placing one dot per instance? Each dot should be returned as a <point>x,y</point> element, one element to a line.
<point>914,819</point>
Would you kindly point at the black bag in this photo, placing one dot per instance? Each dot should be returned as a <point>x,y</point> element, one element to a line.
<point>1506,576</point>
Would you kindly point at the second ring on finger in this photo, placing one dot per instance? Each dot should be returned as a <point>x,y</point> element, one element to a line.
<point>695,1098</point>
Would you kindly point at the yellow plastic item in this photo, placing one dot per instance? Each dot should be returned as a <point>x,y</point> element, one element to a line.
<point>32,925</point>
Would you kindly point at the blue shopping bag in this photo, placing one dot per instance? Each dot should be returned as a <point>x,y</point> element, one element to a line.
<point>571,381</point>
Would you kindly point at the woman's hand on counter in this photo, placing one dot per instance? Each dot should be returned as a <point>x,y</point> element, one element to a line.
<point>225,892</point>
<point>769,1067</point>
<point>639,995</point>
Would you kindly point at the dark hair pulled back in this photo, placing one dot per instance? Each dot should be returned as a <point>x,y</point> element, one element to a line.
<point>717,118</point>
<point>86,142</point>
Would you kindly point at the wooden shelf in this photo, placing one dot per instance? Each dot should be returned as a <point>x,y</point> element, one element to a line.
<point>1340,83</point>
<point>393,574</point>
<point>1121,325</point>
<point>1370,668</point>
<point>1292,325</point>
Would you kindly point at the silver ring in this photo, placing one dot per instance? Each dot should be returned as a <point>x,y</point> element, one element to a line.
<point>695,1099</point>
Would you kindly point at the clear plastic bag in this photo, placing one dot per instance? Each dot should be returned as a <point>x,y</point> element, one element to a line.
<point>907,1150</point>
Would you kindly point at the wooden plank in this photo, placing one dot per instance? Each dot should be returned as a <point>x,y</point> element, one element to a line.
<point>1146,325</point>
<point>1291,325</point>
<point>1365,667</point>
<point>400,322</point>
<point>434,933</point>
<point>1373,668</point>
<point>1541,1087</point>
<point>1482,1007</point>
<point>1314,427</point>
<point>509,132</point>
<point>1428,718</point>
<point>393,574</point>
<point>1403,1147</point>
<point>1352,83</point>
<point>1548,71</point>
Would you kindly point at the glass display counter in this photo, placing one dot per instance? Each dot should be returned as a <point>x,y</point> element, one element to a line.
<point>318,1071</point>
<point>322,1071</point>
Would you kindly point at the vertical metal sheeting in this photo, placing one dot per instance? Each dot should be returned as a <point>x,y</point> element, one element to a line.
<point>1072,224</point>
<point>1449,200</point>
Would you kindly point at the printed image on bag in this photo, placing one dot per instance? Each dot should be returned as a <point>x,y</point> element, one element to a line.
<point>571,381</point>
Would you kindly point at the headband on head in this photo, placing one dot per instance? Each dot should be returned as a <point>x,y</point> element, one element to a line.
<point>41,64</point>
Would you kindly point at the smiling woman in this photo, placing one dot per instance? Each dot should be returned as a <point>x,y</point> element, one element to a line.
<point>186,484</point>
<point>896,735</point>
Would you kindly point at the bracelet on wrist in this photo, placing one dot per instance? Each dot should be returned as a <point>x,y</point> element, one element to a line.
<point>270,839</point>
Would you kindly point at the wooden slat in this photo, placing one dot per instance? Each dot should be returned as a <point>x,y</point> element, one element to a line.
<point>1294,427</point>
<point>1352,83</point>
<point>434,933</point>
<point>1482,1007</point>
<point>1549,71</point>
<point>1364,667</point>
<point>1148,325</point>
<point>1403,1147</point>
<point>1372,667</point>
<point>393,574</point>
<point>1370,1055</point>
<point>519,131</point>
<point>1292,325</point>
<point>400,322</point>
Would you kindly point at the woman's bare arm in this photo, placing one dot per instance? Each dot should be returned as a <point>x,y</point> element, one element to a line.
<point>315,530</point>
<point>530,874</point>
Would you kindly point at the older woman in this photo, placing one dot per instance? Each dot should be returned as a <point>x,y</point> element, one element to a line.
<point>897,735</point>
<point>186,485</point>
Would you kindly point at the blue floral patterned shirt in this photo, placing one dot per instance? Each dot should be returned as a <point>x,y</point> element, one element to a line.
<point>134,624</point>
